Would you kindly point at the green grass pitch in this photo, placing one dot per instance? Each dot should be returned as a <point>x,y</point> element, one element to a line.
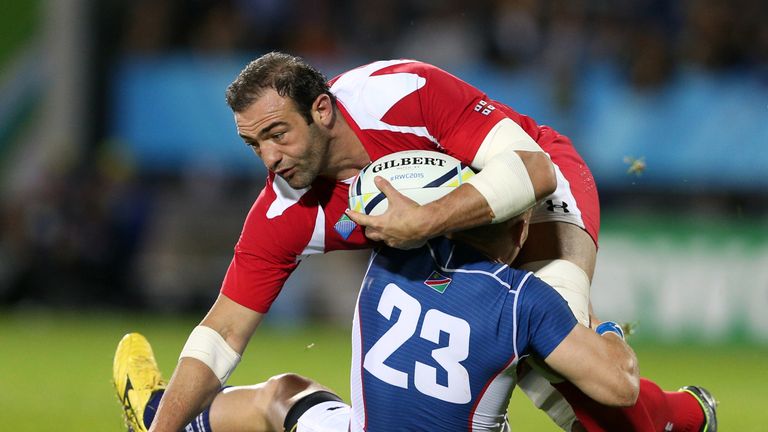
<point>55,369</point>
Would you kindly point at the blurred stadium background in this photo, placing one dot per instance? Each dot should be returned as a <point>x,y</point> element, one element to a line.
<point>123,184</point>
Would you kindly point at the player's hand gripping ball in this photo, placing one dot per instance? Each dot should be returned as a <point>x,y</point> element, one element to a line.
<point>421,175</point>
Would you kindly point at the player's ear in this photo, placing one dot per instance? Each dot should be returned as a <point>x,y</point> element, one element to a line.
<point>322,110</point>
<point>520,228</point>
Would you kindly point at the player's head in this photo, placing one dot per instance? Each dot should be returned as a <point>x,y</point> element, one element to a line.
<point>500,241</point>
<point>289,76</point>
<point>284,112</point>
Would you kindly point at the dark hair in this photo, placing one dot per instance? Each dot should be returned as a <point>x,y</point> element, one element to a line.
<point>290,76</point>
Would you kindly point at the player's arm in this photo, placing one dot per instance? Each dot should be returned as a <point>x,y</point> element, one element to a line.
<point>209,357</point>
<point>603,366</point>
<point>514,174</point>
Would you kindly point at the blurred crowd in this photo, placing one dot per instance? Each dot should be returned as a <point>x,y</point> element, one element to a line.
<point>72,237</point>
<point>79,234</point>
<point>649,39</point>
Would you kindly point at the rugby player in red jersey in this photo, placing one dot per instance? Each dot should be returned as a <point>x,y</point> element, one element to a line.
<point>314,136</point>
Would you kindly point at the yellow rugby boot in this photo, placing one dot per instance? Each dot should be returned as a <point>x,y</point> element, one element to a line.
<point>136,376</point>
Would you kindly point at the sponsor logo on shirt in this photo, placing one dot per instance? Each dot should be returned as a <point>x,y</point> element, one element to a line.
<point>551,206</point>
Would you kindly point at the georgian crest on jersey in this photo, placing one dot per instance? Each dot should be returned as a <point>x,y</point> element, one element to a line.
<point>438,282</point>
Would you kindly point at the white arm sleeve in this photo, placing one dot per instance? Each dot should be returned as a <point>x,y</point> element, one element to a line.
<point>503,179</point>
<point>207,345</point>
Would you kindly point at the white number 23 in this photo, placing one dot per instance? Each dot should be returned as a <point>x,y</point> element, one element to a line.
<point>449,357</point>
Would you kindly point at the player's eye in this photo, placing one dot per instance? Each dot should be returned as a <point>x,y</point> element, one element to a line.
<point>278,136</point>
<point>253,145</point>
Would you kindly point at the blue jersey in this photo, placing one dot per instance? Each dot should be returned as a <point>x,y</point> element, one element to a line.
<point>437,334</point>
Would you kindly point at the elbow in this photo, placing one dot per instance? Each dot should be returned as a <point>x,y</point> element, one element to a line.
<point>634,393</point>
<point>623,395</point>
<point>633,380</point>
<point>627,395</point>
<point>550,184</point>
<point>632,374</point>
<point>543,175</point>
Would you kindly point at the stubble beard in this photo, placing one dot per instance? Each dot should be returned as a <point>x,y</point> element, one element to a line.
<point>313,162</point>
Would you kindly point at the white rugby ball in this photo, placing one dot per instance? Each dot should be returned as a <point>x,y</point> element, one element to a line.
<point>421,175</point>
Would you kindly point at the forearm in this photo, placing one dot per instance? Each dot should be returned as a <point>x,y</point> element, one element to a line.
<point>461,209</point>
<point>618,383</point>
<point>507,185</point>
<point>467,207</point>
<point>604,367</point>
<point>192,388</point>
<point>511,184</point>
<point>209,356</point>
<point>514,171</point>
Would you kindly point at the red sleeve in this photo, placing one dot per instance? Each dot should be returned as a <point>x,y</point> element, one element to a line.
<point>268,248</point>
<point>457,114</point>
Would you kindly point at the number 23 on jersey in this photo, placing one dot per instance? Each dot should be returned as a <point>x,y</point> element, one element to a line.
<point>457,390</point>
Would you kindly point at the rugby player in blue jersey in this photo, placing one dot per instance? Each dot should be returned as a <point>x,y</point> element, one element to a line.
<point>437,335</point>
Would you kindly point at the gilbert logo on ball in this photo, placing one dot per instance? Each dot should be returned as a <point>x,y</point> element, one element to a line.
<point>421,175</point>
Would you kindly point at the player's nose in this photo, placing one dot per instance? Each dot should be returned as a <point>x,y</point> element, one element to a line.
<point>271,157</point>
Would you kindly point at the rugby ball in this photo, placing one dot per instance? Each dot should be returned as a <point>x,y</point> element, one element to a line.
<point>421,175</point>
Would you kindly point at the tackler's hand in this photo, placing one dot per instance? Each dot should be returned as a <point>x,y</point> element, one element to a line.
<point>403,225</point>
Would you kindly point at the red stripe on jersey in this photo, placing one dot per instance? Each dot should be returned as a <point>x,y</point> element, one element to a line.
<point>485,389</point>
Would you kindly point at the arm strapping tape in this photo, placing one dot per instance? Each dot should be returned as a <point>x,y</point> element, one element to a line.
<point>503,179</point>
<point>505,185</point>
<point>207,345</point>
<point>506,133</point>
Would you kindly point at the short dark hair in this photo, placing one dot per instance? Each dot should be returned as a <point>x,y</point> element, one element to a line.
<point>290,76</point>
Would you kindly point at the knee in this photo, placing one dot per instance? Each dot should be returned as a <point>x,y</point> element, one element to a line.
<point>282,393</point>
<point>287,386</point>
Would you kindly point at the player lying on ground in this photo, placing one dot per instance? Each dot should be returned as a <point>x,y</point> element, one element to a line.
<point>437,337</point>
<point>314,136</point>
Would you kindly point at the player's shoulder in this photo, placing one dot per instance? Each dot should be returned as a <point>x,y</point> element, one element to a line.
<point>526,280</point>
<point>534,292</point>
<point>457,256</point>
<point>284,218</point>
<point>361,75</point>
<point>277,195</point>
<point>280,204</point>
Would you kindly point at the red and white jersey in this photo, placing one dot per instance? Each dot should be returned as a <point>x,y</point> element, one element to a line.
<point>392,106</point>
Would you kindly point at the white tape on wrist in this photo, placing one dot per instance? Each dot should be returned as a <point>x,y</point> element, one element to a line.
<point>207,345</point>
<point>506,186</point>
